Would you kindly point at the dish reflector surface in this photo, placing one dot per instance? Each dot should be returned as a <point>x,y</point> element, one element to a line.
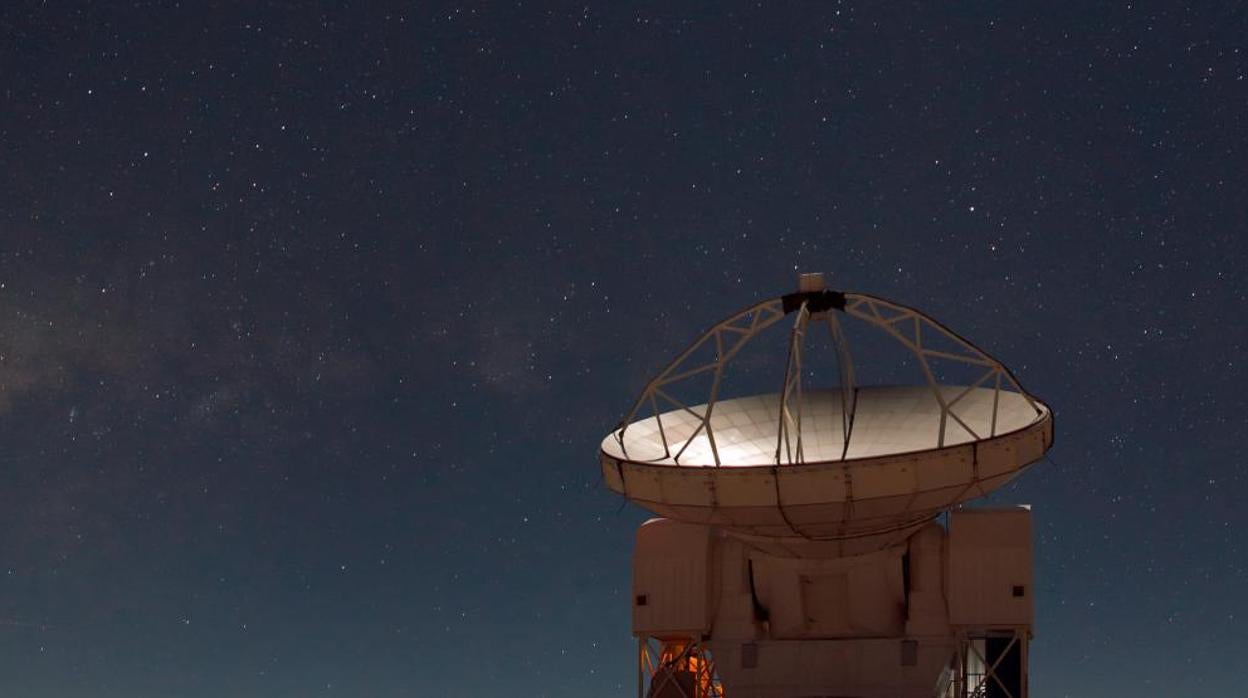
<point>887,421</point>
<point>825,472</point>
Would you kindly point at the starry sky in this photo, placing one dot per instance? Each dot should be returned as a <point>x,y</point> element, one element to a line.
<point>312,315</point>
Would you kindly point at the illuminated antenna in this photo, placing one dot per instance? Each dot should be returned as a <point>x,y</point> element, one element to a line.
<point>806,517</point>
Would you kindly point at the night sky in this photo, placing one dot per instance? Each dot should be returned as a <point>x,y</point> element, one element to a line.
<point>312,315</point>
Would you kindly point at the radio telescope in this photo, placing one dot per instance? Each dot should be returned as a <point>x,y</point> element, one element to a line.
<point>800,551</point>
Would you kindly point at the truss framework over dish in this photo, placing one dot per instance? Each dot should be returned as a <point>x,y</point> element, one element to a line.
<point>926,339</point>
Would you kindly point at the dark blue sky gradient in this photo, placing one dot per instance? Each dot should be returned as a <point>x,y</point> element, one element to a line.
<point>312,315</point>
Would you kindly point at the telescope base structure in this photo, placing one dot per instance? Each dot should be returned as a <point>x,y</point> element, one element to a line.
<point>945,614</point>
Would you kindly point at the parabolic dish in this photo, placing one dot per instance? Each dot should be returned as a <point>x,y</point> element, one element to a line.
<point>825,472</point>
